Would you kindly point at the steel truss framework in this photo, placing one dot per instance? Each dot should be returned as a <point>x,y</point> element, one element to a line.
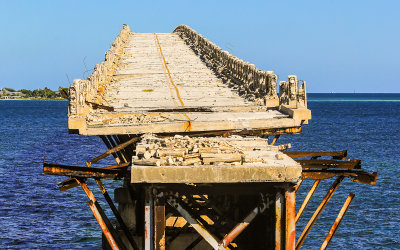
<point>194,203</point>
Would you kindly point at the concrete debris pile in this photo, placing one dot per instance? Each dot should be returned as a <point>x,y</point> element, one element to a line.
<point>185,151</point>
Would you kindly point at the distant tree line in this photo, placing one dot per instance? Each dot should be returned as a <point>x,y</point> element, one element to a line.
<point>36,93</point>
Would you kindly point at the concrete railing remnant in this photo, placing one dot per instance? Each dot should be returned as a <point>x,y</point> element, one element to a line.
<point>91,90</point>
<point>255,84</point>
<point>291,94</point>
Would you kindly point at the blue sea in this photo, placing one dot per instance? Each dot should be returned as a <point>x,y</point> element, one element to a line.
<point>34,214</point>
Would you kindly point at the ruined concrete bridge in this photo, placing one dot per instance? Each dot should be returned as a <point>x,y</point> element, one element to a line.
<point>188,125</point>
<point>180,82</point>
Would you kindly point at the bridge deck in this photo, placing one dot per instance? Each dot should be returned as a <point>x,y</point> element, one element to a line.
<point>143,82</point>
<point>160,85</point>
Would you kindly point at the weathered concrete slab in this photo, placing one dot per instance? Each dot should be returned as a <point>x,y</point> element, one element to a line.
<point>233,159</point>
<point>169,83</point>
<point>285,170</point>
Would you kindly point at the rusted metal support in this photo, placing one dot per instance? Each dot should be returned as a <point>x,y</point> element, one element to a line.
<point>114,144</point>
<point>114,150</point>
<point>111,241</point>
<point>99,106</point>
<point>339,218</point>
<point>148,243</point>
<point>354,175</point>
<point>187,204</point>
<point>159,222</point>
<point>82,172</point>
<point>211,239</point>
<point>117,215</point>
<point>298,185</point>
<point>290,239</point>
<point>118,166</point>
<point>63,93</point>
<point>340,155</point>
<point>86,189</point>
<point>307,199</point>
<point>125,156</point>
<point>68,184</point>
<point>279,206</point>
<point>130,149</point>
<point>275,139</point>
<point>105,224</point>
<point>318,211</point>
<point>324,164</point>
<point>108,145</point>
<point>71,182</point>
<point>242,225</point>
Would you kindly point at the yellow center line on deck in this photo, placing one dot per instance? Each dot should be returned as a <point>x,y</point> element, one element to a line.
<point>170,78</point>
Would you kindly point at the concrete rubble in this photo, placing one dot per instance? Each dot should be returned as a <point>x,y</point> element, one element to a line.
<point>184,151</point>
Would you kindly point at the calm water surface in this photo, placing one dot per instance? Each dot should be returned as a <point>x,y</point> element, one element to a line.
<point>34,214</point>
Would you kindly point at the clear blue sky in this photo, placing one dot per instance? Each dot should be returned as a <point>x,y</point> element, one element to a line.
<point>338,46</point>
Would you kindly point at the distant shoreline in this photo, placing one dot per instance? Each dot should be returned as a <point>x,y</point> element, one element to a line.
<point>35,99</point>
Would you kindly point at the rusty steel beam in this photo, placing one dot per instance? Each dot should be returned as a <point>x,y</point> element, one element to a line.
<point>114,150</point>
<point>290,237</point>
<point>159,223</point>
<point>354,175</point>
<point>283,131</point>
<point>86,189</point>
<point>324,164</point>
<point>341,155</point>
<point>129,149</point>
<point>242,225</point>
<point>71,182</point>
<point>113,144</point>
<point>118,166</point>
<point>279,206</point>
<point>117,215</point>
<point>298,185</point>
<point>111,241</point>
<point>339,218</point>
<point>307,199</point>
<point>123,152</point>
<point>318,211</point>
<point>222,217</point>
<point>108,145</point>
<point>99,106</point>
<point>275,139</point>
<point>63,93</point>
<point>105,225</point>
<point>207,236</point>
<point>68,184</point>
<point>82,172</point>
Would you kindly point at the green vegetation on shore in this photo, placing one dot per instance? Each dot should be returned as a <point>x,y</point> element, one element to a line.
<point>36,94</point>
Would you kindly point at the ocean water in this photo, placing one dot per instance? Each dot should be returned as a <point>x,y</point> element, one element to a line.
<point>33,214</point>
